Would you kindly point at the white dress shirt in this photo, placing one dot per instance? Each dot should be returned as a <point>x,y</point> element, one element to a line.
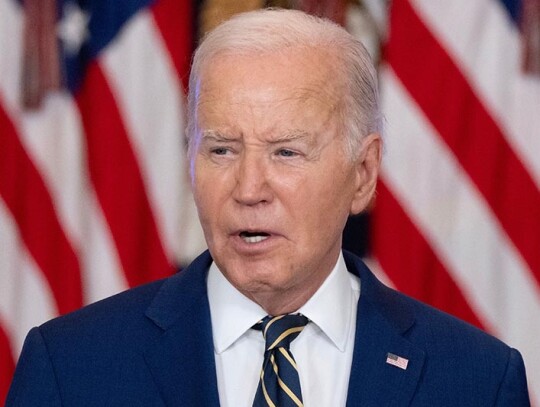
<point>323,350</point>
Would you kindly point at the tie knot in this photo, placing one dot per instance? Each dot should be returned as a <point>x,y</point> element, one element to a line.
<point>280,331</point>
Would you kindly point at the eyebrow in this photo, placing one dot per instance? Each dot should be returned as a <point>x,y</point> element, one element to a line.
<point>290,136</point>
<point>214,135</point>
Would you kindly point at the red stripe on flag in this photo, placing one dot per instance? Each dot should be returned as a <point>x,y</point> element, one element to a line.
<point>460,118</point>
<point>115,174</point>
<point>28,200</point>
<point>175,21</point>
<point>7,365</point>
<point>408,260</point>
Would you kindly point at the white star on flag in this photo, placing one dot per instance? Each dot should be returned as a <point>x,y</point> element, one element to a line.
<point>73,28</point>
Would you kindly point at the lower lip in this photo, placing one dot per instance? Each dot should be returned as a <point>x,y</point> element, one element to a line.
<point>242,246</point>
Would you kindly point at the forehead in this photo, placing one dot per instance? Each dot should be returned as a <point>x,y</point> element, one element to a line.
<point>297,84</point>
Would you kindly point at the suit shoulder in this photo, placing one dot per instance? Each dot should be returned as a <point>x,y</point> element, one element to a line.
<point>457,352</point>
<point>110,314</point>
<point>453,345</point>
<point>440,325</point>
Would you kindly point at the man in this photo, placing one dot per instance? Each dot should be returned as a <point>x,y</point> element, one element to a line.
<point>284,145</point>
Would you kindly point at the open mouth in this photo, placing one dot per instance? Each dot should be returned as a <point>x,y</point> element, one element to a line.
<point>254,237</point>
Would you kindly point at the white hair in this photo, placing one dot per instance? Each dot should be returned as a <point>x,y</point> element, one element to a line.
<point>276,30</point>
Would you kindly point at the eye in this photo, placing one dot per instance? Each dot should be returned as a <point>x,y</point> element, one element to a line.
<point>219,151</point>
<point>286,153</point>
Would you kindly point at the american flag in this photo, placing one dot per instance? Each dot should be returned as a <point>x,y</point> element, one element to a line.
<point>397,361</point>
<point>94,195</point>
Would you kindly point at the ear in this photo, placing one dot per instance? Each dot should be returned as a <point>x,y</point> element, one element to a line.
<point>367,170</point>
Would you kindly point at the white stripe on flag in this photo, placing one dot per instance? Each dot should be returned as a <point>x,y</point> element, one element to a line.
<point>10,50</point>
<point>25,298</point>
<point>51,137</point>
<point>102,274</point>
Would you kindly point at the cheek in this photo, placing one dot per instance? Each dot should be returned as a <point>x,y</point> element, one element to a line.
<point>199,198</point>
<point>202,182</point>
<point>326,203</point>
<point>205,201</point>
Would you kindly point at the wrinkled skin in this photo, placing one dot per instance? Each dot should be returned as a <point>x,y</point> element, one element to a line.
<point>271,180</point>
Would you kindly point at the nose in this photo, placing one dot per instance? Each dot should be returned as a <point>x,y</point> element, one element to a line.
<point>252,183</point>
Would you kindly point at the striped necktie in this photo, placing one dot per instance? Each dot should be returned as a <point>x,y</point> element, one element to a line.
<point>279,385</point>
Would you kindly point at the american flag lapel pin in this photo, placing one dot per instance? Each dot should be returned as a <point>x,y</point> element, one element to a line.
<point>397,361</point>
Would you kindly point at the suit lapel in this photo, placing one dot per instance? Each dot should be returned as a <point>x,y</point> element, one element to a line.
<point>182,359</point>
<point>382,321</point>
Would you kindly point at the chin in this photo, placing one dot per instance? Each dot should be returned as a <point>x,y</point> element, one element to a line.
<point>259,281</point>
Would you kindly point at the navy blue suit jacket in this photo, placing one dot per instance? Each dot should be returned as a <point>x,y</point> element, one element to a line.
<point>152,346</point>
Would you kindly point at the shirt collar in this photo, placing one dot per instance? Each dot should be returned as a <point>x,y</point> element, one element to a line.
<point>330,308</point>
<point>233,314</point>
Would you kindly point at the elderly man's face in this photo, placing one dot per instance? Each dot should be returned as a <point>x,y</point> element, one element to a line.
<point>271,181</point>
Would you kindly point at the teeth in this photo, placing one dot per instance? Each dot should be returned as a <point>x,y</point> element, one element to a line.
<point>254,239</point>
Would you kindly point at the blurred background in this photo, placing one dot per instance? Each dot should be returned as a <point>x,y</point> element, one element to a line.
<point>94,192</point>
